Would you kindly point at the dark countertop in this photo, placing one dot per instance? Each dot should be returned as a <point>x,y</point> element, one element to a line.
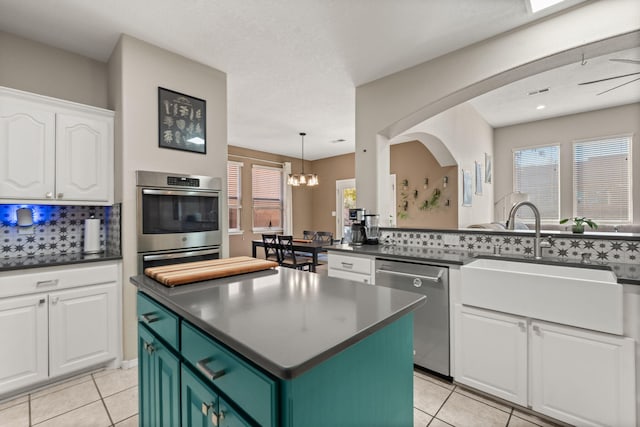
<point>625,272</point>
<point>285,321</point>
<point>39,261</point>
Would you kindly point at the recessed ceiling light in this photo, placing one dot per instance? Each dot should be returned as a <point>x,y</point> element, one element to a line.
<point>541,107</point>
<point>538,5</point>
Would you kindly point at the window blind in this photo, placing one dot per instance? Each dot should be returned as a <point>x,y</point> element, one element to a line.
<point>602,179</point>
<point>536,172</point>
<point>234,194</point>
<point>267,197</point>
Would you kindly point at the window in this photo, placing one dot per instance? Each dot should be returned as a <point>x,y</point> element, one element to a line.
<point>536,172</point>
<point>267,198</point>
<point>602,179</point>
<point>234,194</point>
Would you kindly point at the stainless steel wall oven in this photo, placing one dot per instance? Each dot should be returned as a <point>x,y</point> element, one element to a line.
<point>178,218</point>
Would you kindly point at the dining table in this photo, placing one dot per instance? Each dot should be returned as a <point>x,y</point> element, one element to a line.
<point>299,245</point>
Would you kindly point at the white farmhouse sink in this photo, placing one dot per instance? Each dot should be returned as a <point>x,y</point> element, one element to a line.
<point>582,297</point>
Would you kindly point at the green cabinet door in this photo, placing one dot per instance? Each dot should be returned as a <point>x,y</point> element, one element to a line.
<point>159,382</point>
<point>199,403</point>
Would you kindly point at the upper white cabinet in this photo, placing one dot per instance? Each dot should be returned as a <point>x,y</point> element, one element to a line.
<point>54,151</point>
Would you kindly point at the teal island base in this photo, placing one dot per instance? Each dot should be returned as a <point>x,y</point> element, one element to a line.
<point>189,378</point>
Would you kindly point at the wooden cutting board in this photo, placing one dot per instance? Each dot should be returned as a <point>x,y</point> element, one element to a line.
<point>182,274</point>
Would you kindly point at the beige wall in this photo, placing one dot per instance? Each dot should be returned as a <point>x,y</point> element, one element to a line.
<point>240,244</point>
<point>136,70</point>
<point>389,106</point>
<point>413,162</point>
<point>324,196</point>
<point>45,70</point>
<point>563,131</point>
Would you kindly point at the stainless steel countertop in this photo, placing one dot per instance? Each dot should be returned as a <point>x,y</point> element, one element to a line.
<point>285,321</point>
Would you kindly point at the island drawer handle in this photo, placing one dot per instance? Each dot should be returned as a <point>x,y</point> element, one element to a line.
<point>399,273</point>
<point>209,373</point>
<point>149,318</point>
<point>41,283</point>
<point>347,264</point>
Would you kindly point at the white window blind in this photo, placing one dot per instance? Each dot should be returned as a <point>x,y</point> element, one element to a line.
<point>234,192</point>
<point>602,179</point>
<point>536,172</point>
<point>267,197</point>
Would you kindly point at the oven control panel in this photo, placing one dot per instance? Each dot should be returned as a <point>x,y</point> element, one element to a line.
<point>183,181</point>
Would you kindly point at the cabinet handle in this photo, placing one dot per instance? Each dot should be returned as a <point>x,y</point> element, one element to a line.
<point>42,283</point>
<point>49,195</point>
<point>205,408</point>
<point>347,264</point>
<point>209,373</point>
<point>523,326</point>
<point>149,318</point>
<point>148,347</point>
<point>216,418</point>
<point>42,301</point>
<point>536,329</point>
<point>54,300</point>
<point>60,195</point>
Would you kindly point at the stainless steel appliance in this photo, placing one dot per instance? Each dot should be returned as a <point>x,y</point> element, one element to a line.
<point>358,232</point>
<point>179,218</point>
<point>431,321</point>
<point>372,227</point>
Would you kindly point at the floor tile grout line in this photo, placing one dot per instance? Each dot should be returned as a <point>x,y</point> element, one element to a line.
<point>443,403</point>
<point>509,419</point>
<point>29,402</point>
<point>64,413</point>
<point>104,404</point>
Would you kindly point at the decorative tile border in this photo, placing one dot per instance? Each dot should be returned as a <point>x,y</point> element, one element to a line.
<point>486,242</point>
<point>57,230</point>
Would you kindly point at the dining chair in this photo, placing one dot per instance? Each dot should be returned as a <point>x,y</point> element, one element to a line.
<point>271,247</point>
<point>309,235</point>
<point>288,257</point>
<point>324,237</point>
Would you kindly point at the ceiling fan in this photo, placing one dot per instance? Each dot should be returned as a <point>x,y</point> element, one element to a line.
<point>626,61</point>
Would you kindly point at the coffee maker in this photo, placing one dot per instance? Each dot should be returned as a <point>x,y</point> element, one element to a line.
<point>358,231</point>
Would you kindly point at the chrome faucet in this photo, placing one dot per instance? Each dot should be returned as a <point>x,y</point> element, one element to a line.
<point>536,213</point>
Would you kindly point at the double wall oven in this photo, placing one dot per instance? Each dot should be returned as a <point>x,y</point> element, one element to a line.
<point>179,218</point>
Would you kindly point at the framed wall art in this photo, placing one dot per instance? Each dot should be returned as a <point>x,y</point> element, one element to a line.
<point>467,192</point>
<point>478,178</point>
<point>181,121</point>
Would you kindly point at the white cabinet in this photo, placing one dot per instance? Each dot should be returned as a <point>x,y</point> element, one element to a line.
<point>67,319</point>
<point>58,152</point>
<point>353,267</point>
<point>491,353</point>
<point>23,329</point>
<point>82,324</point>
<point>582,377</point>
<point>576,375</point>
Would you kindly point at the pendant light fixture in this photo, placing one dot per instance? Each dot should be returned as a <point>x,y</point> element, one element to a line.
<point>298,179</point>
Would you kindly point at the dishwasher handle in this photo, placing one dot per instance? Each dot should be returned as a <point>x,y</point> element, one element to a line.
<point>399,273</point>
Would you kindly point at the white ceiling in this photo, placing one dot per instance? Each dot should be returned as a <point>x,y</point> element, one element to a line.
<point>292,65</point>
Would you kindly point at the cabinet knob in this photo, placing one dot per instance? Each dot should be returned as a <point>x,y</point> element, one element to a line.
<point>49,195</point>
<point>54,300</point>
<point>216,418</point>
<point>60,195</point>
<point>42,301</point>
<point>536,329</point>
<point>205,408</point>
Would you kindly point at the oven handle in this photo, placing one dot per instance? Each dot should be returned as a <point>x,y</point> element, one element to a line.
<point>180,255</point>
<point>178,192</point>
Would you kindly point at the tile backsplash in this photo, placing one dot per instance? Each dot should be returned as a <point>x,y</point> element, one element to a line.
<point>57,230</point>
<point>622,249</point>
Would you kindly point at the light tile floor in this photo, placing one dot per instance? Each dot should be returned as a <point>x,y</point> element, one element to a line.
<point>110,398</point>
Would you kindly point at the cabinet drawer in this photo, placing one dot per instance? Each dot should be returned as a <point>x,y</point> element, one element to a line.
<point>158,319</point>
<point>249,388</point>
<point>350,263</point>
<point>47,279</point>
<point>364,278</point>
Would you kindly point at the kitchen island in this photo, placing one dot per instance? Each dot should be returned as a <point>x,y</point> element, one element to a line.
<point>278,348</point>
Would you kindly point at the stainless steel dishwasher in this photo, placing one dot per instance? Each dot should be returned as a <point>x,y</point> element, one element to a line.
<point>430,321</point>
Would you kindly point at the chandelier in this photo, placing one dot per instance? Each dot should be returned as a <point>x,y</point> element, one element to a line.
<point>298,179</point>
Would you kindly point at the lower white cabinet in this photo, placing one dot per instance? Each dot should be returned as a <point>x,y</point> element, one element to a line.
<point>353,267</point>
<point>576,375</point>
<point>72,325</point>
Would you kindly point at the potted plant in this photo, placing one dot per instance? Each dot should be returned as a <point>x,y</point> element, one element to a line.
<point>579,222</point>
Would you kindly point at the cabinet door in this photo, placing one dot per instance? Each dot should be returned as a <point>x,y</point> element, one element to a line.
<point>27,150</point>
<point>23,334</point>
<point>159,382</point>
<point>84,158</point>
<point>491,352</point>
<point>582,377</point>
<point>83,327</point>
<point>229,417</point>
<point>199,402</point>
